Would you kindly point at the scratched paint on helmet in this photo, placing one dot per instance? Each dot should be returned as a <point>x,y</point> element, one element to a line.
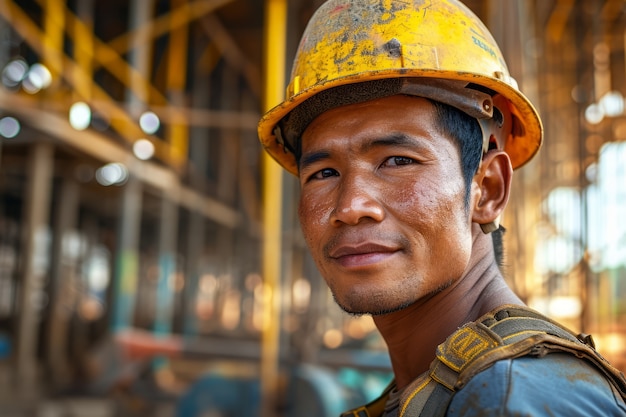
<point>352,41</point>
<point>352,37</point>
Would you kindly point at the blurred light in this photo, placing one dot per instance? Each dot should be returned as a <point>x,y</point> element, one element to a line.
<point>14,72</point>
<point>610,343</point>
<point>113,173</point>
<point>29,87</point>
<point>594,114</point>
<point>97,269</point>
<point>231,310</point>
<point>205,299</point>
<point>333,338</point>
<point>559,307</point>
<point>73,245</point>
<point>9,127</point>
<point>612,104</point>
<point>39,76</point>
<point>564,307</point>
<point>143,149</point>
<point>177,281</point>
<point>262,298</point>
<point>591,173</point>
<point>208,284</point>
<point>563,208</point>
<point>301,291</point>
<point>560,250</point>
<point>601,55</point>
<point>166,378</point>
<point>90,308</point>
<point>80,115</point>
<point>258,314</point>
<point>606,207</point>
<point>557,254</point>
<point>41,255</point>
<point>359,327</point>
<point>149,122</point>
<point>204,309</point>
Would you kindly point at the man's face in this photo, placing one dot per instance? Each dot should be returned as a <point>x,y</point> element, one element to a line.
<point>382,204</point>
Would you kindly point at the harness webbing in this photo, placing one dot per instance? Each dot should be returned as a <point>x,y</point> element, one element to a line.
<point>509,332</point>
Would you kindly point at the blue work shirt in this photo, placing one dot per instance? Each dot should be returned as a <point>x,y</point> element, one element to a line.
<point>557,385</point>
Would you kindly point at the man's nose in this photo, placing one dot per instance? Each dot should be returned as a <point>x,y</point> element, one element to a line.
<point>357,200</point>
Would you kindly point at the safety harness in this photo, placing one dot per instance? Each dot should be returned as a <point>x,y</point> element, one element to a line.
<point>508,332</point>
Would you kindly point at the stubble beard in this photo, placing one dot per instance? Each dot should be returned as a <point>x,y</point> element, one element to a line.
<point>369,301</point>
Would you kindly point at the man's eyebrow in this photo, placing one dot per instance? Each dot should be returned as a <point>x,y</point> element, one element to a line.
<point>311,158</point>
<point>393,139</point>
<point>390,139</point>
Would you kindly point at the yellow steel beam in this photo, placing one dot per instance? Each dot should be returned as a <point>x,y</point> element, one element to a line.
<point>91,51</point>
<point>161,25</point>
<point>275,35</point>
<point>99,146</point>
<point>53,23</point>
<point>107,57</point>
<point>557,22</point>
<point>231,52</point>
<point>176,23</point>
<point>176,81</point>
<point>209,58</point>
<point>83,56</point>
<point>67,69</point>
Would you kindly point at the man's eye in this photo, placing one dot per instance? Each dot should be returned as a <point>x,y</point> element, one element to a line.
<point>324,173</point>
<point>398,160</point>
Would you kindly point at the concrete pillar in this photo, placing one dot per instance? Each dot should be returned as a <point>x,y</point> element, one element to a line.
<point>62,279</point>
<point>34,261</point>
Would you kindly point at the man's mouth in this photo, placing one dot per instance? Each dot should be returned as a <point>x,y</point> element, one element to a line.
<point>362,254</point>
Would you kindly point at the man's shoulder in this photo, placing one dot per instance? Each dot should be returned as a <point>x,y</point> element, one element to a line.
<point>558,384</point>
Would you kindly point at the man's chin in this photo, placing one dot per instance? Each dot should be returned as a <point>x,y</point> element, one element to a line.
<point>356,310</point>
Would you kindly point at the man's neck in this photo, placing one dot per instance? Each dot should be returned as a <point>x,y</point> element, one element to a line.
<point>413,334</point>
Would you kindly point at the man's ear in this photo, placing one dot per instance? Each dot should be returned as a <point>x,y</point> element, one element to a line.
<point>493,181</point>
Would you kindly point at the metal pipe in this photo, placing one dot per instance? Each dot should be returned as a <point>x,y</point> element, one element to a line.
<point>275,35</point>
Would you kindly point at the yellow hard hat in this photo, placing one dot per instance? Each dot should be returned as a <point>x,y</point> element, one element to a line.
<point>358,50</point>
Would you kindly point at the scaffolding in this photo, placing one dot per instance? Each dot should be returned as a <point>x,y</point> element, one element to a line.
<point>140,221</point>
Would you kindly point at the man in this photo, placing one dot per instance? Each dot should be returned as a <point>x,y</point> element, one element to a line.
<point>404,127</point>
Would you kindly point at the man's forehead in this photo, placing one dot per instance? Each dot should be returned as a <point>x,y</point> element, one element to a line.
<point>396,120</point>
<point>391,108</point>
